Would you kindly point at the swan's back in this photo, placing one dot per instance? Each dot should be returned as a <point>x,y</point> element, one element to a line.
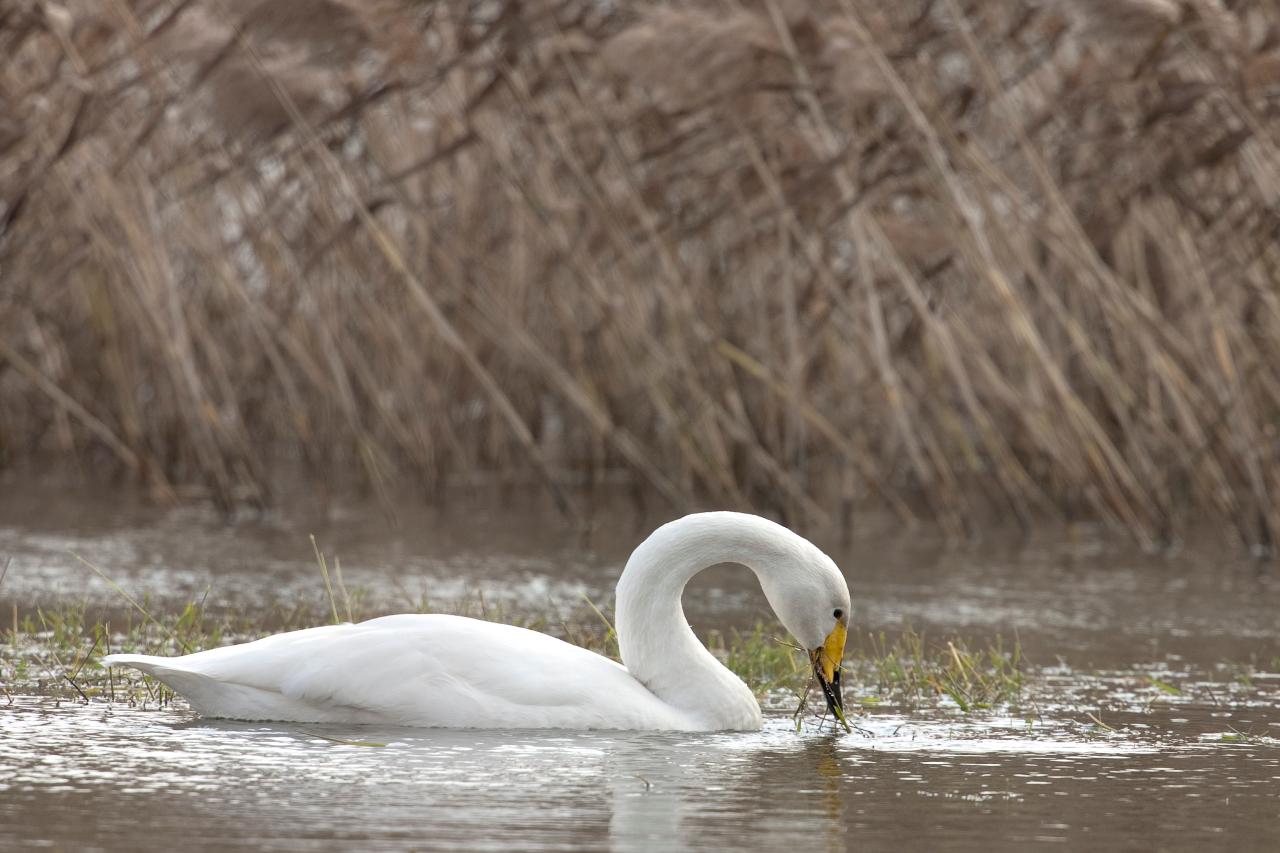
<point>420,670</point>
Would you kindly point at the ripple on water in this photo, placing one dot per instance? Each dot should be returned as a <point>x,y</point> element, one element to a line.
<point>73,774</point>
<point>1111,760</point>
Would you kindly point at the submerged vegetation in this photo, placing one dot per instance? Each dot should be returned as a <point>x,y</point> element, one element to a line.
<point>908,670</point>
<point>957,260</point>
<point>55,652</point>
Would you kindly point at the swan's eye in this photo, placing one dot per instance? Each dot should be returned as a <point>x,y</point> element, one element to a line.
<point>837,613</point>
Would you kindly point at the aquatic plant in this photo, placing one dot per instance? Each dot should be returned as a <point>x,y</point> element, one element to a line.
<point>55,651</point>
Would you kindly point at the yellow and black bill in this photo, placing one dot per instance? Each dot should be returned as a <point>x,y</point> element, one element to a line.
<point>826,669</point>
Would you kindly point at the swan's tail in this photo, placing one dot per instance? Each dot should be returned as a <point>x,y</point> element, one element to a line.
<point>193,685</point>
<point>146,663</point>
<point>212,696</point>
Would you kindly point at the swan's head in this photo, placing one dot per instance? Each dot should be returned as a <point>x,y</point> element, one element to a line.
<point>803,585</point>
<point>811,598</point>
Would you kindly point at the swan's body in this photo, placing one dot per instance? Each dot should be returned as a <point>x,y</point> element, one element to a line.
<point>415,670</point>
<point>435,670</point>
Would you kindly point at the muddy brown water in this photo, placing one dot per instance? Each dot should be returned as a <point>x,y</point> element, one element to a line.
<point>1107,761</point>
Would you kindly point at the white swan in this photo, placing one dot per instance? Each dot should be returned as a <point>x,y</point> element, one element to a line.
<point>434,670</point>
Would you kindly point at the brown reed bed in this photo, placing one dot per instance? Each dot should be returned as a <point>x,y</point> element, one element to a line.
<point>964,261</point>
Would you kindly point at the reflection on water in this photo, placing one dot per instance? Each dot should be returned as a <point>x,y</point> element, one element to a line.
<point>1143,769</point>
<point>77,775</point>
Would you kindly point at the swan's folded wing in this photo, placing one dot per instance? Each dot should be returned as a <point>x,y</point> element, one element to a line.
<point>425,670</point>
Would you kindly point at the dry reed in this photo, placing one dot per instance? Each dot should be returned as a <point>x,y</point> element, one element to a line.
<point>966,261</point>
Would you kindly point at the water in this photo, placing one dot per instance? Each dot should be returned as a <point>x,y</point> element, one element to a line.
<point>1106,760</point>
<point>85,776</point>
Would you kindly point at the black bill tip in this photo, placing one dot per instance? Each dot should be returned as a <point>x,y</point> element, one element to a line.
<point>831,692</point>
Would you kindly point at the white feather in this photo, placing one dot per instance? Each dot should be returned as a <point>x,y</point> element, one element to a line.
<point>435,670</point>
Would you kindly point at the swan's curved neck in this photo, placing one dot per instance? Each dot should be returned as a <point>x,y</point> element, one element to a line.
<point>658,646</point>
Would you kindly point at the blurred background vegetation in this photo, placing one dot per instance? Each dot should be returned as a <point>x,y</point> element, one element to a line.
<point>967,262</point>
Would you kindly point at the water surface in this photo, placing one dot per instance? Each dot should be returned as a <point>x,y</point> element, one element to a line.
<point>1104,757</point>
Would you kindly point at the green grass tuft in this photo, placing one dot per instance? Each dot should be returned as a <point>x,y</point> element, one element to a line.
<point>56,652</point>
